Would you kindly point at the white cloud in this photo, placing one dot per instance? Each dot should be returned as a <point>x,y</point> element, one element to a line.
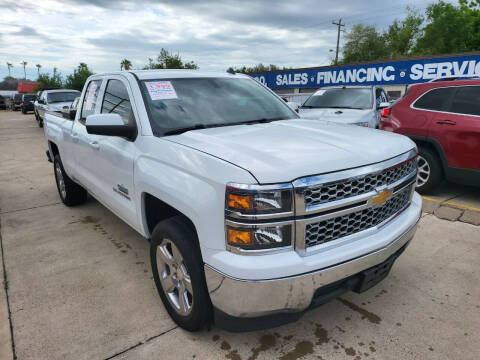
<point>215,34</point>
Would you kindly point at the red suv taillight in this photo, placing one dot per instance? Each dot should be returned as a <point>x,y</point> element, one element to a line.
<point>385,112</point>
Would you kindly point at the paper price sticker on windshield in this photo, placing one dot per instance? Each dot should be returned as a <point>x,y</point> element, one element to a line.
<point>319,93</point>
<point>161,90</point>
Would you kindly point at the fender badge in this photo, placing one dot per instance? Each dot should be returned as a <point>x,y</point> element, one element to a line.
<point>382,197</point>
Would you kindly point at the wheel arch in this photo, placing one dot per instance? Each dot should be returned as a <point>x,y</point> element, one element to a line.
<point>155,210</point>
<point>433,145</point>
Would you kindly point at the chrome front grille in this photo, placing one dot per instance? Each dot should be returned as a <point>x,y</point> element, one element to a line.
<point>343,189</point>
<point>354,222</point>
<point>333,206</point>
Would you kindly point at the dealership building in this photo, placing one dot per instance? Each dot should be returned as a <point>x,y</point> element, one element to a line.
<point>393,76</point>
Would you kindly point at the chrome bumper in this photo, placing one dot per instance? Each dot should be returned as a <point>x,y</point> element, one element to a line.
<point>249,299</point>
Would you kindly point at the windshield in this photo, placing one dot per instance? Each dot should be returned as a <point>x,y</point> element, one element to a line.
<point>203,102</point>
<point>350,98</point>
<point>62,96</point>
<point>28,97</point>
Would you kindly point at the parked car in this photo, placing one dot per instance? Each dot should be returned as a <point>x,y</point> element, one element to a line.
<point>3,104</point>
<point>54,100</point>
<point>216,170</point>
<point>27,103</point>
<point>35,104</point>
<point>443,118</point>
<point>16,103</point>
<point>356,105</point>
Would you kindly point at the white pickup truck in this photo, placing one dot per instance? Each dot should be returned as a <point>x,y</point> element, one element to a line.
<point>253,214</point>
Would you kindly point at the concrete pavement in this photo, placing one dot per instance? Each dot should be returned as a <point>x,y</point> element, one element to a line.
<point>80,286</point>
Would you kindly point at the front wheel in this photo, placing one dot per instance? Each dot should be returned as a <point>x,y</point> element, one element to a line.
<point>429,170</point>
<point>70,192</point>
<point>177,269</point>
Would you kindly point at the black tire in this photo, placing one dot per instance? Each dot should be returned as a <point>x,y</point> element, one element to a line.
<point>70,192</point>
<point>40,122</point>
<point>435,176</point>
<point>177,230</point>
<point>24,111</point>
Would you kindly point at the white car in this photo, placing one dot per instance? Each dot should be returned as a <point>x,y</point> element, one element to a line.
<point>53,100</point>
<point>356,105</point>
<point>253,214</point>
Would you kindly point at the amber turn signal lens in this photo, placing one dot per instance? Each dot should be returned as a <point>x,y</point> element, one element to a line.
<point>238,237</point>
<point>240,202</point>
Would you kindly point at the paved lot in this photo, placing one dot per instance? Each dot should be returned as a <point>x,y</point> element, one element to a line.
<point>80,284</point>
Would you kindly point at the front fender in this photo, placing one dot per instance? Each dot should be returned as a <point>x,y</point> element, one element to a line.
<point>191,182</point>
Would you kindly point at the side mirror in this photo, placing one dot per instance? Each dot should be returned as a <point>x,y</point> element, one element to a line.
<point>110,125</point>
<point>383,105</point>
<point>68,113</point>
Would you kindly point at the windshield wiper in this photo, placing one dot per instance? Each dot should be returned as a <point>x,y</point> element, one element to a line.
<point>206,126</point>
<point>185,129</point>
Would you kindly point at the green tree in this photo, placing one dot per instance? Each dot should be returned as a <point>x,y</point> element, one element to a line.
<point>450,28</point>
<point>45,81</point>
<point>125,64</point>
<point>24,64</point>
<point>401,36</point>
<point>167,60</point>
<point>38,68</point>
<point>9,66</point>
<point>259,68</point>
<point>364,43</point>
<point>78,78</point>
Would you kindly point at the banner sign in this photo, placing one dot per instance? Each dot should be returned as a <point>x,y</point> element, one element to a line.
<point>387,73</point>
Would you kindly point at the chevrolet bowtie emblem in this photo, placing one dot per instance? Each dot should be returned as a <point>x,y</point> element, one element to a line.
<point>382,197</point>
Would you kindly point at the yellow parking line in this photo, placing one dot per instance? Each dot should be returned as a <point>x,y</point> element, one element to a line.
<point>452,203</point>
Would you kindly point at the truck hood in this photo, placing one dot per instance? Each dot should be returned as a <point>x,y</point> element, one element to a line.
<point>282,151</point>
<point>344,116</point>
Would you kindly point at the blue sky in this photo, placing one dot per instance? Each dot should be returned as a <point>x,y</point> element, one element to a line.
<point>215,34</point>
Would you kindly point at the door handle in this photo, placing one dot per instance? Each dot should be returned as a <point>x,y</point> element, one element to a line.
<point>94,145</point>
<point>446,122</point>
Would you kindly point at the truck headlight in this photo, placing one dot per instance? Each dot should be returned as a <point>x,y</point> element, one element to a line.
<point>258,217</point>
<point>259,236</point>
<point>258,199</point>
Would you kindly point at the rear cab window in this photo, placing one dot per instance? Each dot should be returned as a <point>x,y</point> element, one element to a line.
<point>90,99</point>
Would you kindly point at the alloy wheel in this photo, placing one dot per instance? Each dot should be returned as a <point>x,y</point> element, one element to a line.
<point>423,173</point>
<point>174,277</point>
<point>60,181</point>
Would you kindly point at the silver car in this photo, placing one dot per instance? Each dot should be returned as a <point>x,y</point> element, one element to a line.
<point>53,100</point>
<point>356,105</point>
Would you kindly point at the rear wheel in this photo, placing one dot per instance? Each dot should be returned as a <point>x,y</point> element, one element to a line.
<point>70,192</point>
<point>24,111</point>
<point>429,170</point>
<point>177,269</point>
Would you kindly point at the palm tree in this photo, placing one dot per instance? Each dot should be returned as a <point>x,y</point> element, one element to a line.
<point>38,68</point>
<point>9,66</point>
<point>24,63</point>
<point>125,64</point>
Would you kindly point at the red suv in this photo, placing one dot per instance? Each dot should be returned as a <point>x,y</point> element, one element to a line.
<point>443,118</point>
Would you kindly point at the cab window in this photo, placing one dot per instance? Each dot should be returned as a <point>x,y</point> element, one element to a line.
<point>117,101</point>
<point>90,99</point>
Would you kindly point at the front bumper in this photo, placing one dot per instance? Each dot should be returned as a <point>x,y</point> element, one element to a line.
<point>250,299</point>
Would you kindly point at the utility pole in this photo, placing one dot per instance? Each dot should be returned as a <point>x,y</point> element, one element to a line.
<point>339,24</point>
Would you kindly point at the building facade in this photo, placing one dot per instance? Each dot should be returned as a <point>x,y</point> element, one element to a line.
<point>393,76</point>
